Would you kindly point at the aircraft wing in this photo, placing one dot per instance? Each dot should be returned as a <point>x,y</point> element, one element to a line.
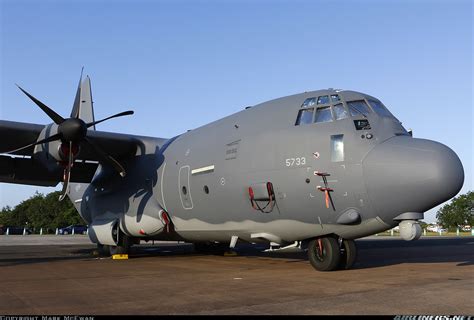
<point>14,135</point>
<point>26,170</point>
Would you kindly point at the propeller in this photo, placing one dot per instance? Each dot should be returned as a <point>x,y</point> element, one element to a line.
<point>72,132</point>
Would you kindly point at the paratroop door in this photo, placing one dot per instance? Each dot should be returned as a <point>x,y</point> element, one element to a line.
<point>184,188</point>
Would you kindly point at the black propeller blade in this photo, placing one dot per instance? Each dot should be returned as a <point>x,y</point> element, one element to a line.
<point>67,173</point>
<point>121,114</point>
<point>72,132</point>
<point>53,115</point>
<point>54,137</point>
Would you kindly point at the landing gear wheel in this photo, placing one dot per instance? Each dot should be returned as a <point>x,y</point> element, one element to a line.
<point>324,253</point>
<point>211,248</point>
<point>118,250</point>
<point>124,245</point>
<point>348,254</point>
<point>103,250</point>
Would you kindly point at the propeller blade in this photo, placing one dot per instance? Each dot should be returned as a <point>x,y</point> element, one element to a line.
<point>53,115</point>
<point>77,100</point>
<point>67,174</point>
<point>105,158</point>
<point>54,137</point>
<point>121,114</point>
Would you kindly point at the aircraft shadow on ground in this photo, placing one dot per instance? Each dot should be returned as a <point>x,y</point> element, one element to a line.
<point>371,253</point>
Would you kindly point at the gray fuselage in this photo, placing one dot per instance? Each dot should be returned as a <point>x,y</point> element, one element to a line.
<point>201,178</point>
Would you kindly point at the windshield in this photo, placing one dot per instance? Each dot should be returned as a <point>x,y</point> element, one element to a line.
<point>379,108</point>
<point>358,107</point>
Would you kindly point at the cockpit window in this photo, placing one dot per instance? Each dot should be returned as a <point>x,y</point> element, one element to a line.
<point>340,112</point>
<point>378,107</point>
<point>335,98</point>
<point>305,116</point>
<point>358,107</point>
<point>323,115</point>
<point>323,99</point>
<point>309,102</point>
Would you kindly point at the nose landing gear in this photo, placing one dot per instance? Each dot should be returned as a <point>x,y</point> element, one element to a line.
<point>329,253</point>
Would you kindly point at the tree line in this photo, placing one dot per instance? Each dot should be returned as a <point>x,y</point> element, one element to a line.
<point>45,211</point>
<point>41,211</point>
<point>458,213</point>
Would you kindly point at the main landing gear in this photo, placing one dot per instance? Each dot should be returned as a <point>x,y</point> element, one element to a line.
<point>329,253</point>
<point>123,246</point>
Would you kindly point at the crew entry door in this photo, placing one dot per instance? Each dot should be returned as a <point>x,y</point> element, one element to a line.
<point>184,188</point>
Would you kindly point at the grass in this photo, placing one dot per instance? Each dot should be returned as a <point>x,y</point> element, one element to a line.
<point>429,233</point>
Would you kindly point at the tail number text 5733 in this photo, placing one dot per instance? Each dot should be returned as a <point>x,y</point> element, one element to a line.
<point>292,162</point>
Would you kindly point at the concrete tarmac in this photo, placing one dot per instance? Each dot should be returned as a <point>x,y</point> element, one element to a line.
<point>59,275</point>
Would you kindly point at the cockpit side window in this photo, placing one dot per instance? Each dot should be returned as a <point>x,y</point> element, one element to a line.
<point>305,116</point>
<point>340,112</point>
<point>335,98</point>
<point>358,107</point>
<point>378,107</point>
<point>323,115</point>
<point>309,102</point>
<point>323,99</point>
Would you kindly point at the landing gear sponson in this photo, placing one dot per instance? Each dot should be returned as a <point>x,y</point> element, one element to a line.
<point>330,253</point>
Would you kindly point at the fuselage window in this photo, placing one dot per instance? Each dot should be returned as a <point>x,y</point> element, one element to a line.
<point>337,148</point>
<point>335,98</point>
<point>323,100</point>
<point>379,108</point>
<point>340,112</point>
<point>305,116</point>
<point>358,107</point>
<point>323,115</point>
<point>309,102</point>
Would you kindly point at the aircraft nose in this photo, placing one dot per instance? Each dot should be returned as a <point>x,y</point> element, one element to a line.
<point>404,174</point>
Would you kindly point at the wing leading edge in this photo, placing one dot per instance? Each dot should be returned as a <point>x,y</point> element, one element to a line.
<point>22,167</point>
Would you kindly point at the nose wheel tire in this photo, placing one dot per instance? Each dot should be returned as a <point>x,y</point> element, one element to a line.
<point>324,254</point>
<point>348,254</point>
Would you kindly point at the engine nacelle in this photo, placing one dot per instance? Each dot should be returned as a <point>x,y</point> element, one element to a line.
<point>53,155</point>
<point>410,230</point>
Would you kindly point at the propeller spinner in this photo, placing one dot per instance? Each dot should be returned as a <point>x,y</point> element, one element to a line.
<point>72,132</point>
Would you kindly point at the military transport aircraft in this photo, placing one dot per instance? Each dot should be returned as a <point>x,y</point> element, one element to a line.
<point>314,170</point>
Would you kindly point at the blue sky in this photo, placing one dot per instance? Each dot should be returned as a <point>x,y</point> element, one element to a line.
<point>182,64</point>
